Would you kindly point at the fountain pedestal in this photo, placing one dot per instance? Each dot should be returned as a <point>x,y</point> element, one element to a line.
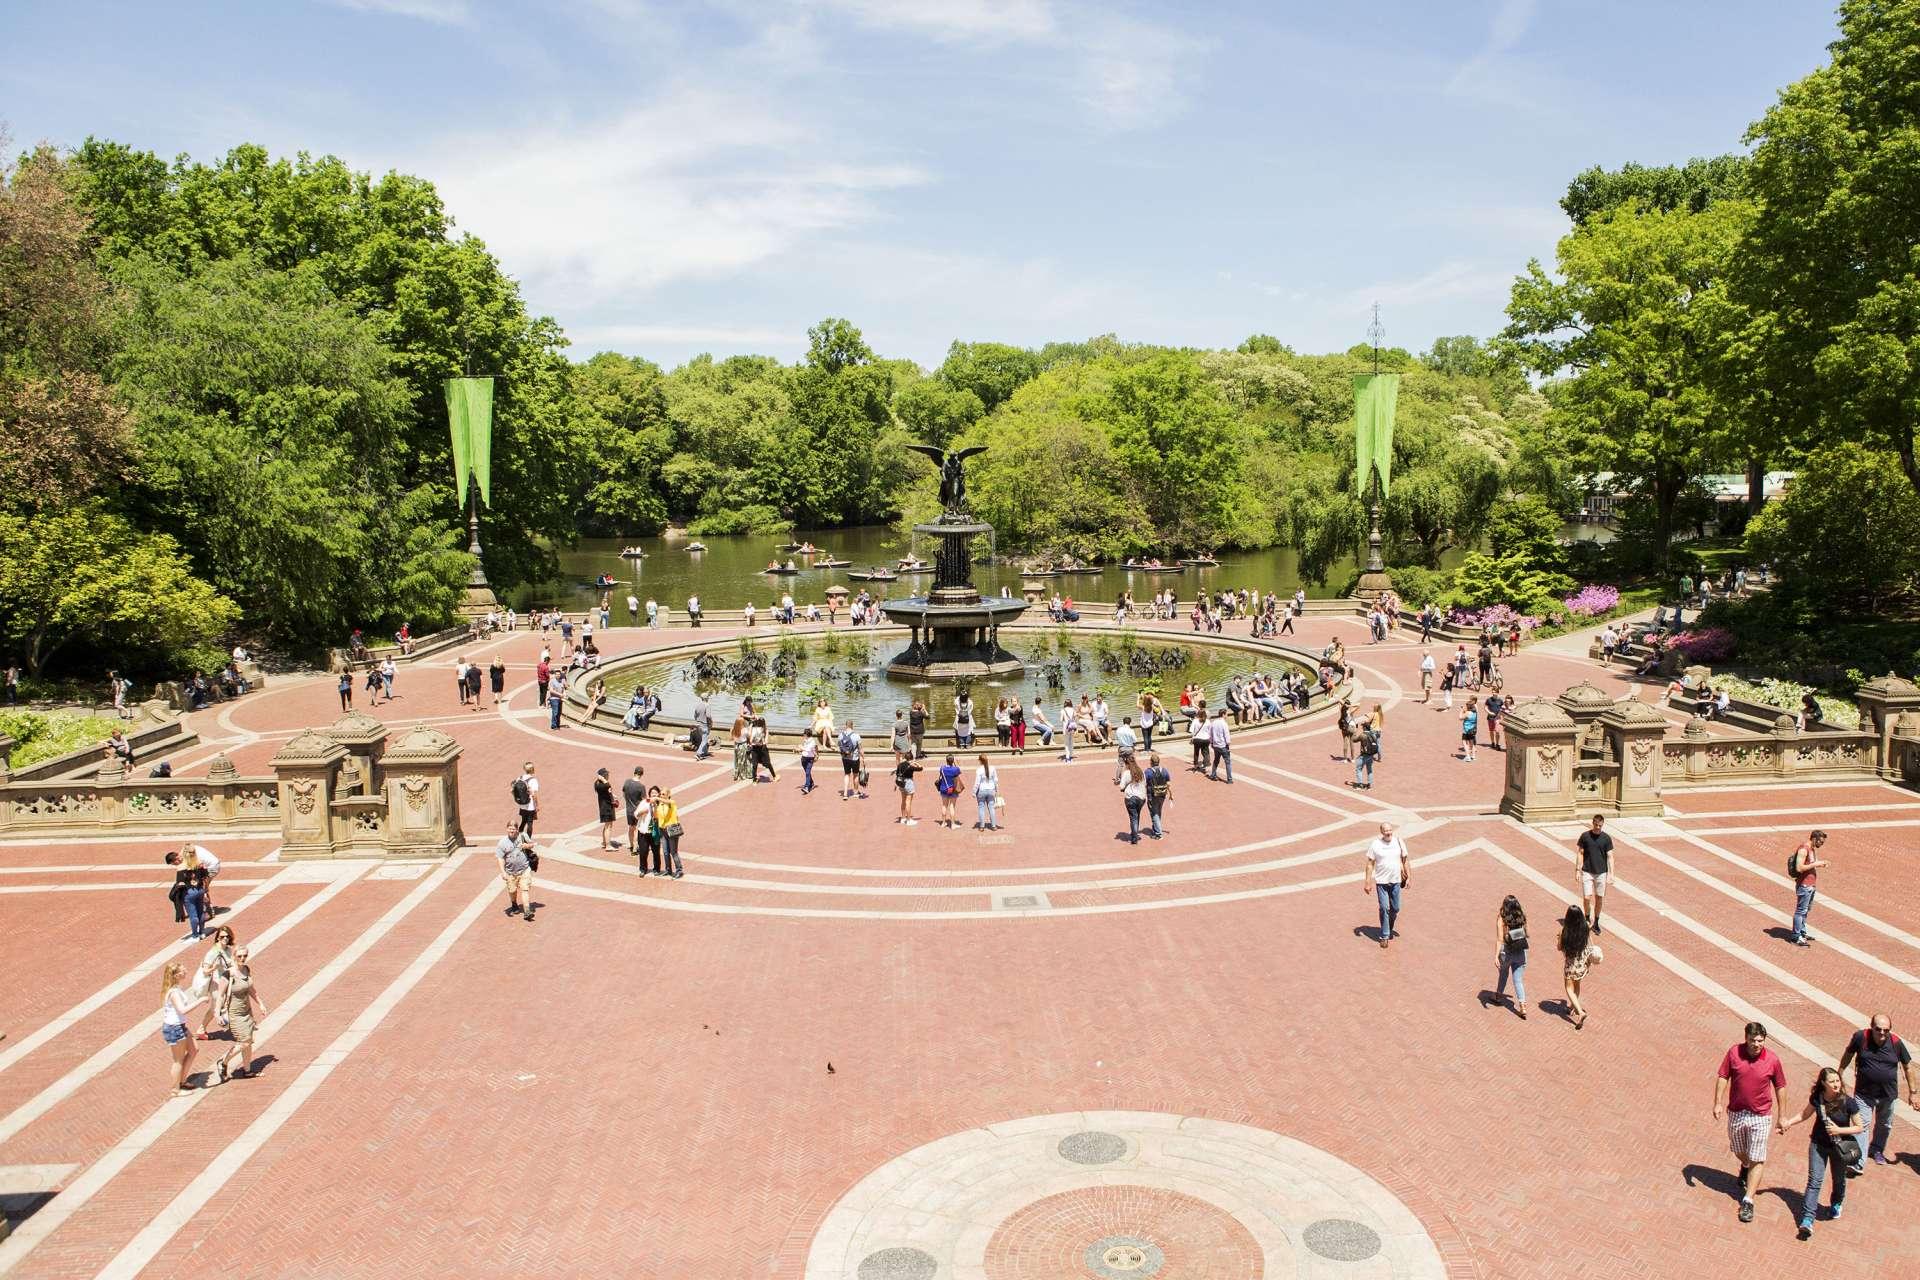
<point>956,630</point>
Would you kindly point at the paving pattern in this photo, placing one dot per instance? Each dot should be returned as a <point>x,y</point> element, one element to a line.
<point>1054,1053</point>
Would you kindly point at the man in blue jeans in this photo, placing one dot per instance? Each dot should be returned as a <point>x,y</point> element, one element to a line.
<point>1388,871</point>
<point>1879,1058</point>
<point>1805,867</point>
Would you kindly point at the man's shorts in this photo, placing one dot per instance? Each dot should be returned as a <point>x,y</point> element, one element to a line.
<point>1593,886</point>
<point>522,883</point>
<point>1747,1133</point>
<point>849,765</point>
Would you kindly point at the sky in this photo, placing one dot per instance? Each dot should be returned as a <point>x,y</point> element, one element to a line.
<point>666,178</point>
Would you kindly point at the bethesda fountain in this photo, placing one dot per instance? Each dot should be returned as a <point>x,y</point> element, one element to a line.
<point>955,630</point>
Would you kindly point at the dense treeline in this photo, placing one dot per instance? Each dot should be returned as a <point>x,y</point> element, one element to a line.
<point>221,405</point>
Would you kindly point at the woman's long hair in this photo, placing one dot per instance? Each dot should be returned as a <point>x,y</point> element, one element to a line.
<point>1511,913</point>
<point>1574,933</point>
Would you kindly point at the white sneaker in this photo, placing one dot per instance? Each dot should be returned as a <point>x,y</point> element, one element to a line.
<point>912,822</point>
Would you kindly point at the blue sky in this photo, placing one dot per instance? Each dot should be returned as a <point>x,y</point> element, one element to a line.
<point>672,177</point>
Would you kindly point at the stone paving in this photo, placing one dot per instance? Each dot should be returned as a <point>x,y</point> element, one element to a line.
<point>1053,1053</point>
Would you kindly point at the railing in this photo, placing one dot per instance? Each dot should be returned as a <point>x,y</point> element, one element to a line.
<point>56,808</point>
<point>1805,755</point>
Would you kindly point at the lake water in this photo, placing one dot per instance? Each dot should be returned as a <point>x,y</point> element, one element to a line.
<point>732,571</point>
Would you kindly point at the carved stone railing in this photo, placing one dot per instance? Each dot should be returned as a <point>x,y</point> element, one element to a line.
<point>113,802</point>
<point>1786,757</point>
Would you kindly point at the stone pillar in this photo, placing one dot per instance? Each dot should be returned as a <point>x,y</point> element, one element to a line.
<point>1906,747</point>
<point>1542,747</point>
<point>222,803</point>
<point>6,757</point>
<point>421,781</point>
<point>306,771</point>
<point>364,738</point>
<point>1635,732</point>
<point>1584,704</point>
<point>1882,702</point>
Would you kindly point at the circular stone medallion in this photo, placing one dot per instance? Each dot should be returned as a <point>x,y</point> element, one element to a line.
<point>1090,1146</point>
<point>1342,1239</point>
<point>898,1264</point>
<point>1124,1257</point>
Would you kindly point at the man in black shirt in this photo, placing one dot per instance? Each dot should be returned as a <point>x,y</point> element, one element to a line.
<point>1879,1059</point>
<point>1594,862</point>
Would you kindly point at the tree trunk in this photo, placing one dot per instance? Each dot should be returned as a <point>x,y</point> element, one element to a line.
<point>1756,485</point>
<point>1665,495</point>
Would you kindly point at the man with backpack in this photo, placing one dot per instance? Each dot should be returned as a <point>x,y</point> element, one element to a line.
<point>526,798</point>
<point>1804,867</point>
<point>1159,787</point>
<point>1369,752</point>
<point>852,771</point>
<point>1879,1058</point>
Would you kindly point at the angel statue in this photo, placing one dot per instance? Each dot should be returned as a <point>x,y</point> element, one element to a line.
<point>953,478</point>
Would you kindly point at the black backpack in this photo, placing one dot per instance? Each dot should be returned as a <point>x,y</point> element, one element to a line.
<point>521,796</point>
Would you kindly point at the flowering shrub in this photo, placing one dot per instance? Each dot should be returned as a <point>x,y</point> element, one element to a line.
<point>1498,616</point>
<point>1705,644</point>
<point>1592,600</point>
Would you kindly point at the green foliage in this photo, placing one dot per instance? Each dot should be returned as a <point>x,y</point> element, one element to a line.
<point>750,519</point>
<point>1796,634</point>
<point>1639,313</point>
<point>1661,188</point>
<point>1848,528</point>
<point>85,573</point>
<point>1528,527</point>
<point>1482,580</point>
<point>629,435</point>
<point>1417,585</point>
<point>990,371</point>
<point>1264,344</point>
<point>39,736</point>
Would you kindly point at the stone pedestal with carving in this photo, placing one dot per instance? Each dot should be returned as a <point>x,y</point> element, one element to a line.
<point>1634,733</point>
<point>1882,703</point>
<point>1542,748</point>
<point>1585,703</point>
<point>421,783</point>
<point>365,738</point>
<point>306,771</point>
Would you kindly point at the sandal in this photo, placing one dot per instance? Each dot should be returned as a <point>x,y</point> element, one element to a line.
<point>199,1035</point>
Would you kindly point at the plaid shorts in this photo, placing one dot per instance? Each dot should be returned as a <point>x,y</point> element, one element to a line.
<point>1747,1133</point>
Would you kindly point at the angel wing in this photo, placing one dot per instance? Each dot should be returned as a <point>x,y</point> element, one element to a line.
<point>938,455</point>
<point>962,455</point>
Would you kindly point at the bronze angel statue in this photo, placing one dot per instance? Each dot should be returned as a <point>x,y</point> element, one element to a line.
<point>953,477</point>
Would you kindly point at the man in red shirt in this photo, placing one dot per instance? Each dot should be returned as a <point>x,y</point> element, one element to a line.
<point>1806,879</point>
<point>1750,1083</point>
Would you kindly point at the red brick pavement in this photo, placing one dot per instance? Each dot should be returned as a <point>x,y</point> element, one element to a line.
<point>622,1089</point>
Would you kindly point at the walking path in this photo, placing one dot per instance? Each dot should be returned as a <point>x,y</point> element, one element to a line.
<point>1054,1053</point>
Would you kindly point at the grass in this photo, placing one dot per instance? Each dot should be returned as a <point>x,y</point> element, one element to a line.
<point>42,735</point>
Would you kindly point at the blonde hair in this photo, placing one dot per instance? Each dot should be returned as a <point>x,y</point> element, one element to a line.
<point>170,977</point>
<point>189,857</point>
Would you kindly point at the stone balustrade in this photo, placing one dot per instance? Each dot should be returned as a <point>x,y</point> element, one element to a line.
<point>112,801</point>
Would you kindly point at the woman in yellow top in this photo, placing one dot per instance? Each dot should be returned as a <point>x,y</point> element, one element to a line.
<point>666,816</point>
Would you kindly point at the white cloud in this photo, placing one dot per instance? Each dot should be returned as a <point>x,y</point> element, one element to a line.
<point>1449,280</point>
<point>451,12</point>
<point>1477,76</point>
<point>976,20</point>
<point>698,184</point>
<point>592,337</point>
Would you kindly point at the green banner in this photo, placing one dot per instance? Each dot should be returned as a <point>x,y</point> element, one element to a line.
<point>470,418</point>
<point>1374,395</point>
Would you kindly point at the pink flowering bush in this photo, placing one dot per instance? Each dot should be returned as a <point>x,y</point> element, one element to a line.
<point>1592,600</point>
<point>1500,617</point>
<point>1704,644</point>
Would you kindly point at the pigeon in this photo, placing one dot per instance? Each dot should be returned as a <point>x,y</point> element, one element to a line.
<point>830,1070</point>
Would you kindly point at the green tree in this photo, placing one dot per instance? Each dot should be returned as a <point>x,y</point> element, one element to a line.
<point>1461,355</point>
<point>1264,344</point>
<point>1525,525</point>
<point>83,573</point>
<point>1690,187</point>
<point>993,371</point>
<point>271,427</point>
<point>934,412</point>
<point>1639,315</point>
<point>1829,267</point>
<point>630,439</point>
<point>1848,530</point>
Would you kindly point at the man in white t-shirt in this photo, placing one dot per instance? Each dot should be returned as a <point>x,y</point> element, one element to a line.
<point>1388,871</point>
<point>1427,668</point>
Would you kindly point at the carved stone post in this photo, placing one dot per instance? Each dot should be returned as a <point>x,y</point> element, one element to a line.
<point>1881,702</point>
<point>1542,746</point>
<point>1906,747</point>
<point>365,738</point>
<point>1634,732</point>
<point>1584,704</point>
<point>305,770</point>
<point>421,781</point>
